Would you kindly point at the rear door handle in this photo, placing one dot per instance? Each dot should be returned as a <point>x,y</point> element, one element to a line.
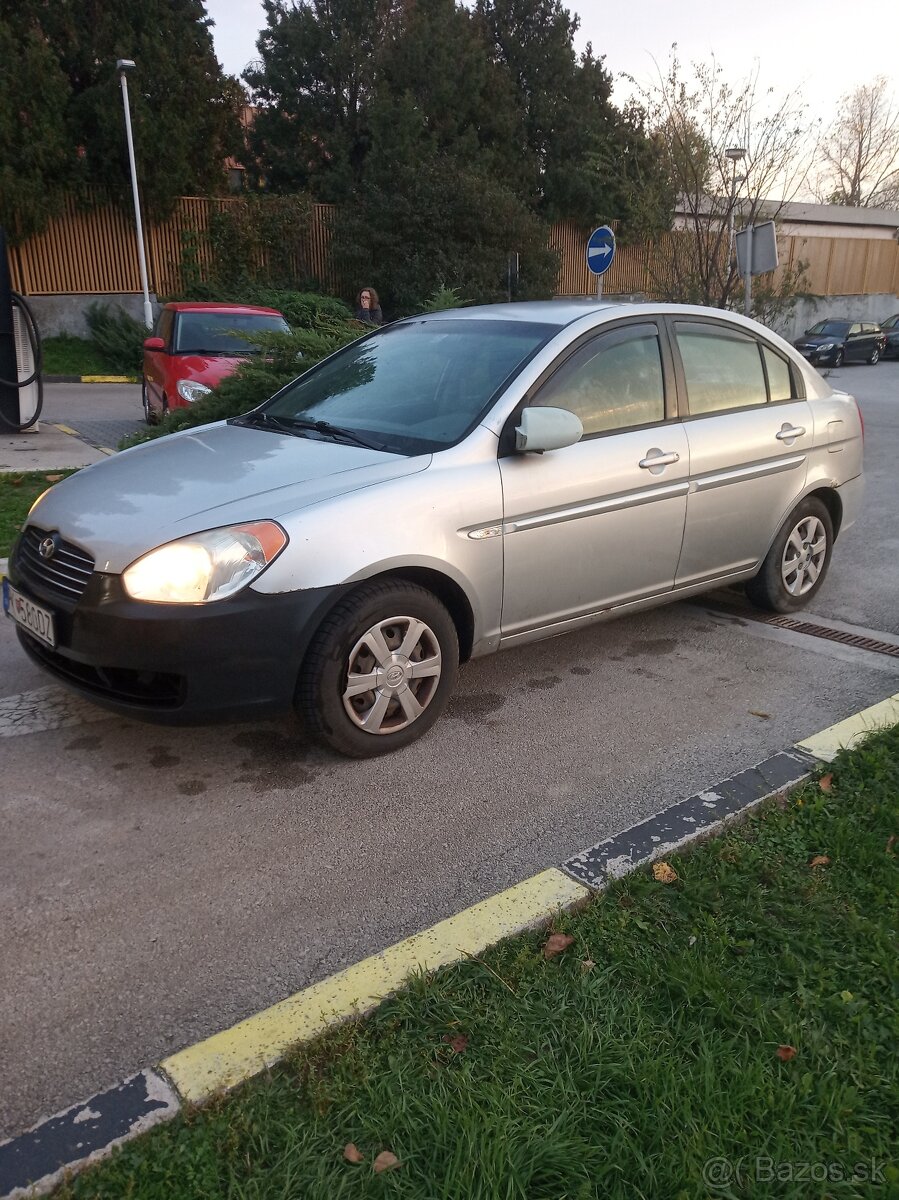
<point>790,431</point>
<point>658,459</point>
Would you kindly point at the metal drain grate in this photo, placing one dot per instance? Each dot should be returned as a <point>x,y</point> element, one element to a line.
<point>832,635</point>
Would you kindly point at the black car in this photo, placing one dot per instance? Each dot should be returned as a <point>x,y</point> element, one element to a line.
<point>833,342</point>
<point>890,328</point>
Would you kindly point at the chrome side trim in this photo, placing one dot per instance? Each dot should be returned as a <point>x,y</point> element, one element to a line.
<point>614,504</point>
<point>773,467</point>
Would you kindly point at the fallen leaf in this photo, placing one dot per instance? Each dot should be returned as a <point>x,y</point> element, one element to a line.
<point>820,860</point>
<point>825,783</point>
<point>663,873</point>
<point>352,1153</point>
<point>459,1043</point>
<point>588,964</point>
<point>15,483</point>
<point>754,713</point>
<point>385,1162</point>
<point>846,997</point>
<point>786,1053</point>
<point>54,478</point>
<point>692,941</point>
<point>890,842</point>
<point>556,943</point>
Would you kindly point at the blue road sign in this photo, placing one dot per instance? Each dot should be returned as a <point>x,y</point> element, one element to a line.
<point>601,250</point>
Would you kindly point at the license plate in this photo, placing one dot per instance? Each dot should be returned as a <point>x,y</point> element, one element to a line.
<point>33,618</point>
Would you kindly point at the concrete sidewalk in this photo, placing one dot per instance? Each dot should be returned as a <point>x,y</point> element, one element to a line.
<point>49,449</point>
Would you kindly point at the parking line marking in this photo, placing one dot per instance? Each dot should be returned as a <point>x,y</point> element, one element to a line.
<point>226,1059</point>
<point>44,709</point>
<point>846,734</point>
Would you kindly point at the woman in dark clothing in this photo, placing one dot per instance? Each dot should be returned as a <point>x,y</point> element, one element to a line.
<point>368,307</point>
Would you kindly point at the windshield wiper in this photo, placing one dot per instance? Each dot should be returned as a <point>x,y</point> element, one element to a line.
<point>338,432</point>
<point>260,417</point>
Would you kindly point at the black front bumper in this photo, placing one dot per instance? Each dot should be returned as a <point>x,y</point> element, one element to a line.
<point>817,357</point>
<point>176,664</point>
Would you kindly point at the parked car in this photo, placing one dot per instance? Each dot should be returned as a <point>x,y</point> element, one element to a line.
<point>834,341</point>
<point>890,329</point>
<point>445,487</point>
<point>194,347</point>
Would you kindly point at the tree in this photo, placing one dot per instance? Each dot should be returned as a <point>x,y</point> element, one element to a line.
<point>312,87</point>
<point>695,117</point>
<point>33,145</point>
<point>184,109</point>
<point>436,204</point>
<point>583,159</point>
<point>860,150</point>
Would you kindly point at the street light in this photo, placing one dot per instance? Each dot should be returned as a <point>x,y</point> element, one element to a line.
<point>124,65</point>
<point>735,154</point>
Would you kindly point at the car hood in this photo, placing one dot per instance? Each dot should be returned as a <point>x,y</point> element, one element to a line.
<point>820,339</point>
<point>205,368</point>
<point>202,478</point>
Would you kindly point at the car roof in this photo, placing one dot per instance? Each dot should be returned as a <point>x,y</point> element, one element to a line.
<point>196,306</point>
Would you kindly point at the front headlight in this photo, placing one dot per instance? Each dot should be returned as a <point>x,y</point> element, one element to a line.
<point>206,566</point>
<point>827,346</point>
<point>190,390</point>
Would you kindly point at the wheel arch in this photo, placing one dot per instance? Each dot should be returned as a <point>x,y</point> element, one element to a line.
<point>447,591</point>
<point>830,498</point>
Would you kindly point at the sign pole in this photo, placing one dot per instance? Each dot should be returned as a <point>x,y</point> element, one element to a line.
<point>598,287</point>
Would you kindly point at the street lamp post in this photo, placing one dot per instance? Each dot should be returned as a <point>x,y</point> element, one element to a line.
<point>735,154</point>
<point>124,65</point>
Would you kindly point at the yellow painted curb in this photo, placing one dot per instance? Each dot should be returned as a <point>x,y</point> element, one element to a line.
<point>236,1054</point>
<point>67,429</point>
<point>108,379</point>
<point>848,733</point>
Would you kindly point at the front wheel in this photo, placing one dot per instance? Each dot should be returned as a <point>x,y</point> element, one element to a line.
<point>380,670</point>
<point>795,566</point>
<point>838,359</point>
<point>875,356</point>
<point>149,415</point>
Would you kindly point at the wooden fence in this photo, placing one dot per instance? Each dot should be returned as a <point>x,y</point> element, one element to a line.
<point>94,250</point>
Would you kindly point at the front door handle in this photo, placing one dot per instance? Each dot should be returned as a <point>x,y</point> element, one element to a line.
<point>788,432</point>
<point>657,458</point>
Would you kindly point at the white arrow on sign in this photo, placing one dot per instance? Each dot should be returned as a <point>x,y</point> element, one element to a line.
<point>603,250</point>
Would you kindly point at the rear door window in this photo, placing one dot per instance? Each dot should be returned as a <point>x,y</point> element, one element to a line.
<point>722,367</point>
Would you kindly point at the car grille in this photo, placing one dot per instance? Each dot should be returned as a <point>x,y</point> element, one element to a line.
<point>64,576</point>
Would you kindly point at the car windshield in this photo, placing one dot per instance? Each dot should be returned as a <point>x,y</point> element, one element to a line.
<point>224,333</point>
<point>415,387</point>
<point>890,323</point>
<point>830,328</point>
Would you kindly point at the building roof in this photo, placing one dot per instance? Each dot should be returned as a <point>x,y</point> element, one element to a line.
<point>798,212</point>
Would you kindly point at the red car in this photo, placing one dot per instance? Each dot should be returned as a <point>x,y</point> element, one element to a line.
<point>194,347</point>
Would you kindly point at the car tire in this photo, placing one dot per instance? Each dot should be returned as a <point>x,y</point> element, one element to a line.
<point>378,633</point>
<point>150,416</point>
<point>796,565</point>
<point>875,356</point>
<point>838,358</point>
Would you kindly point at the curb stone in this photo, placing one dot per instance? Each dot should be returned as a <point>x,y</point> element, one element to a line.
<point>35,1161</point>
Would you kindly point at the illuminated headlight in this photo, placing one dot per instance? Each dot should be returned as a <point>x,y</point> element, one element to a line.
<point>207,566</point>
<point>190,391</point>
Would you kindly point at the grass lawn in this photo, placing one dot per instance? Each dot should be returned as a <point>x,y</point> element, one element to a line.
<point>18,491</point>
<point>742,1016</point>
<point>66,355</point>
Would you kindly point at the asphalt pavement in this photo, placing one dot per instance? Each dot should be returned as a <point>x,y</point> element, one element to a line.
<point>159,884</point>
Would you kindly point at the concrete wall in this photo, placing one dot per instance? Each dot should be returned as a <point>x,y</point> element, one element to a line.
<point>66,314</point>
<point>854,308</point>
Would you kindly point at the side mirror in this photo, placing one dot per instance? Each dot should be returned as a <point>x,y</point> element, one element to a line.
<point>547,429</point>
<point>154,343</point>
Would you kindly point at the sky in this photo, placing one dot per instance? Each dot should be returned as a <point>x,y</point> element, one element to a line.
<point>823,48</point>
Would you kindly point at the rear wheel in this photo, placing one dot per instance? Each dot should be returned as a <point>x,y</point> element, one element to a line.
<point>149,415</point>
<point>795,566</point>
<point>380,669</point>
